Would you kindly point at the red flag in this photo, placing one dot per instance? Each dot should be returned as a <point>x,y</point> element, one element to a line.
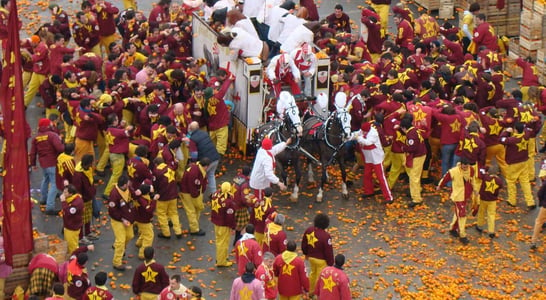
<point>17,227</point>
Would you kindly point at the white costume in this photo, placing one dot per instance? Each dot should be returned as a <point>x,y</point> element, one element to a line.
<point>298,35</point>
<point>248,45</point>
<point>376,155</point>
<point>306,61</point>
<point>263,172</point>
<point>254,9</point>
<point>290,23</point>
<point>275,25</point>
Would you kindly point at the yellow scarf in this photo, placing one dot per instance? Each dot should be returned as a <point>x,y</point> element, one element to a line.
<point>390,82</point>
<point>71,198</point>
<point>65,160</point>
<point>88,173</point>
<point>124,194</point>
<point>288,256</point>
<point>203,171</point>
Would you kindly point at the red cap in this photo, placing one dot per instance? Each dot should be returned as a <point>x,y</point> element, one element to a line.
<point>366,126</point>
<point>267,144</point>
<point>44,122</point>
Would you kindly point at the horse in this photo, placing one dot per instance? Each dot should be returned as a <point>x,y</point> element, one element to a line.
<point>288,124</point>
<point>326,139</point>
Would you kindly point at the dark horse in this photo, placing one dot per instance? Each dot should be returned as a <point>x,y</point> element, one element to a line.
<point>323,142</point>
<point>279,130</point>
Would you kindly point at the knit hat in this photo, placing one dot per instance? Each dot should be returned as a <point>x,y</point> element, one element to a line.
<point>267,144</point>
<point>44,122</point>
<point>542,172</point>
<point>208,93</point>
<point>366,126</point>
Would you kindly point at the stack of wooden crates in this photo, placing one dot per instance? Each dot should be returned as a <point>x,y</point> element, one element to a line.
<point>505,21</point>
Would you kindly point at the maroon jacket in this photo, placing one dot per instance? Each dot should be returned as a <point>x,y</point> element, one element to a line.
<point>451,127</point>
<point>87,129</point>
<point>120,208</point>
<point>105,18</point>
<point>275,239</point>
<point>472,147</point>
<point>530,73</point>
<point>48,92</point>
<point>484,37</point>
<point>145,283</point>
<point>490,187</point>
<point>138,171</point>
<point>165,183</point>
<point>222,210</point>
<point>317,243</point>
<point>311,9</point>
<point>56,54</point>
<point>144,207</point>
<point>47,145</point>
<point>40,59</point>
<point>84,186</point>
<point>118,140</point>
<point>194,181</point>
<point>73,212</point>
<point>516,146</point>
<point>405,35</point>
<point>217,111</point>
<point>86,35</point>
<point>79,279</point>
<point>247,250</point>
<point>415,145</point>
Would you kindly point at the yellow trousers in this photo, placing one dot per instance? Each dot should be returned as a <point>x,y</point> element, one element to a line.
<point>165,211</point>
<point>316,267</point>
<point>193,207</point>
<point>72,238</point>
<point>105,41</point>
<point>130,4</point>
<point>498,152</point>
<point>388,157</point>
<point>222,235</point>
<point>488,209</point>
<point>532,150</point>
<point>103,160</point>
<point>259,238</point>
<point>26,78</point>
<point>117,162</point>
<point>2,287</point>
<point>414,174</point>
<point>148,296</point>
<point>51,111</point>
<point>81,148</point>
<point>297,297</point>
<point>128,116</point>
<point>122,236</point>
<point>220,139</point>
<point>525,93</point>
<point>398,162</point>
<point>33,86</point>
<point>145,237</point>
<point>101,144</point>
<point>383,12</point>
<point>514,173</point>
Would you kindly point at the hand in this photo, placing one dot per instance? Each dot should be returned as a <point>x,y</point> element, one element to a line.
<point>197,113</point>
<point>129,128</point>
<point>156,197</point>
<point>289,141</point>
<point>510,129</point>
<point>91,247</point>
<point>62,197</point>
<point>138,193</point>
<point>282,186</point>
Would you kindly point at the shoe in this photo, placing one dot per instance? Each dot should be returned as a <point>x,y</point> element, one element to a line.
<point>100,173</point>
<point>178,236</point>
<point>479,229</point>
<point>414,204</point>
<point>161,236</point>
<point>54,212</point>
<point>105,197</point>
<point>92,237</point>
<point>544,226</point>
<point>533,246</point>
<point>226,265</point>
<point>85,241</point>
<point>364,196</point>
<point>120,268</point>
<point>543,149</point>
<point>492,235</point>
<point>427,180</point>
<point>389,201</point>
<point>198,233</point>
<point>513,205</point>
<point>531,207</point>
<point>454,233</point>
<point>464,240</point>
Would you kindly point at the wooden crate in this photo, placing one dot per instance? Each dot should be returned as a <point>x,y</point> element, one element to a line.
<point>527,17</point>
<point>512,68</point>
<point>41,243</point>
<point>531,33</point>
<point>57,248</point>
<point>429,4</point>
<point>539,7</point>
<point>19,276</point>
<point>524,52</point>
<point>528,4</point>
<point>21,260</point>
<point>501,30</point>
<point>446,11</point>
<point>541,56</point>
<point>530,44</point>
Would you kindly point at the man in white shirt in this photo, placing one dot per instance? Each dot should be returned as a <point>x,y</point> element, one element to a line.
<point>263,171</point>
<point>306,61</point>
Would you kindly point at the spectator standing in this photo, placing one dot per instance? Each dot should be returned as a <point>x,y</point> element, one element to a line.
<point>150,277</point>
<point>73,211</point>
<point>122,216</point>
<point>145,204</point>
<point>192,187</point>
<point>83,182</point>
<point>316,245</point>
<point>333,283</point>
<point>247,286</point>
<point>541,217</point>
<point>339,21</point>
<point>247,250</point>
<point>167,207</point>
<point>489,194</point>
<point>201,146</point>
<point>289,268</point>
<point>223,217</point>
<point>99,291</point>
<point>275,237</point>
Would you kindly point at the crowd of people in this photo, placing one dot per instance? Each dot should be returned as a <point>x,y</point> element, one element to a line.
<point>130,95</point>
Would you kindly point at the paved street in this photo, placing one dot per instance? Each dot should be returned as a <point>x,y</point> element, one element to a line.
<point>393,252</point>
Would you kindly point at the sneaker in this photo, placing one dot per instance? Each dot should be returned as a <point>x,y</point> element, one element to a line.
<point>492,235</point>
<point>162,236</point>
<point>513,205</point>
<point>533,246</point>
<point>454,233</point>
<point>179,236</point>
<point>427,180</point>
<point>531,207</point>
<point>100,173</point>
<point>92,236</point>
<point>226,265</point>
<point>85,241</point>
<point>198,233</point>
<point>464,240</point>
<point>414,204</point>
<point>479,229</point>
<point>120,268</point>
<point>54,212</point>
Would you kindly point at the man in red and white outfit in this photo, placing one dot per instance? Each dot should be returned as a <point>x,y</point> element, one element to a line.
<point>372,151</point>
<point>263,171</point>
<point>282,69</point>
<point>306,61</point>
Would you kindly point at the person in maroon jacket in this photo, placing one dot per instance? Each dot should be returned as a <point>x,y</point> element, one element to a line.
<point>289,268</point>
<point>105,13</point>
<point>316,244</point>
<point>60,21</point>
<point>87,124</point>
<point>222,216</point>
<point>73,209</point>
<point>218,115</point>
<point>484,34</point>
<point>160,14</point>
<point>370,19</point>
<point>56,53</point>
<point>77,277</point>
<point>415,150</point>
<point>339,20</point>
<point>516,141</point>
<point>493,127</point>
<point>46,145</point>
<point>247,250</point>
<point>145,204</point>
<point>117,138</point>
<point>86,33</point>
<point>192,187</point>
<point>40,67</point>
<point>450,136</point>
<point>404,36</point>
<point>122,215</point>
<point>333,283</point>
<point>150,277</point>
<point>454,50</point>
<point>166,186</point>
<point>65,167</point>
<point>489,194</point>
<point>99,291</point>
<point>83,182</point>
<point>275,237</point>
<point>138,167</point>
<point>48,91</point>
<point>312,10</point>
<point>262,211</point>
<point>530,75</point>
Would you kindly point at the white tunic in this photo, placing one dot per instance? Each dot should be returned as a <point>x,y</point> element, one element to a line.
<point>373,156</point>
<point>251,46</point>
<point>263,173</point>
<point>290,23</point>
